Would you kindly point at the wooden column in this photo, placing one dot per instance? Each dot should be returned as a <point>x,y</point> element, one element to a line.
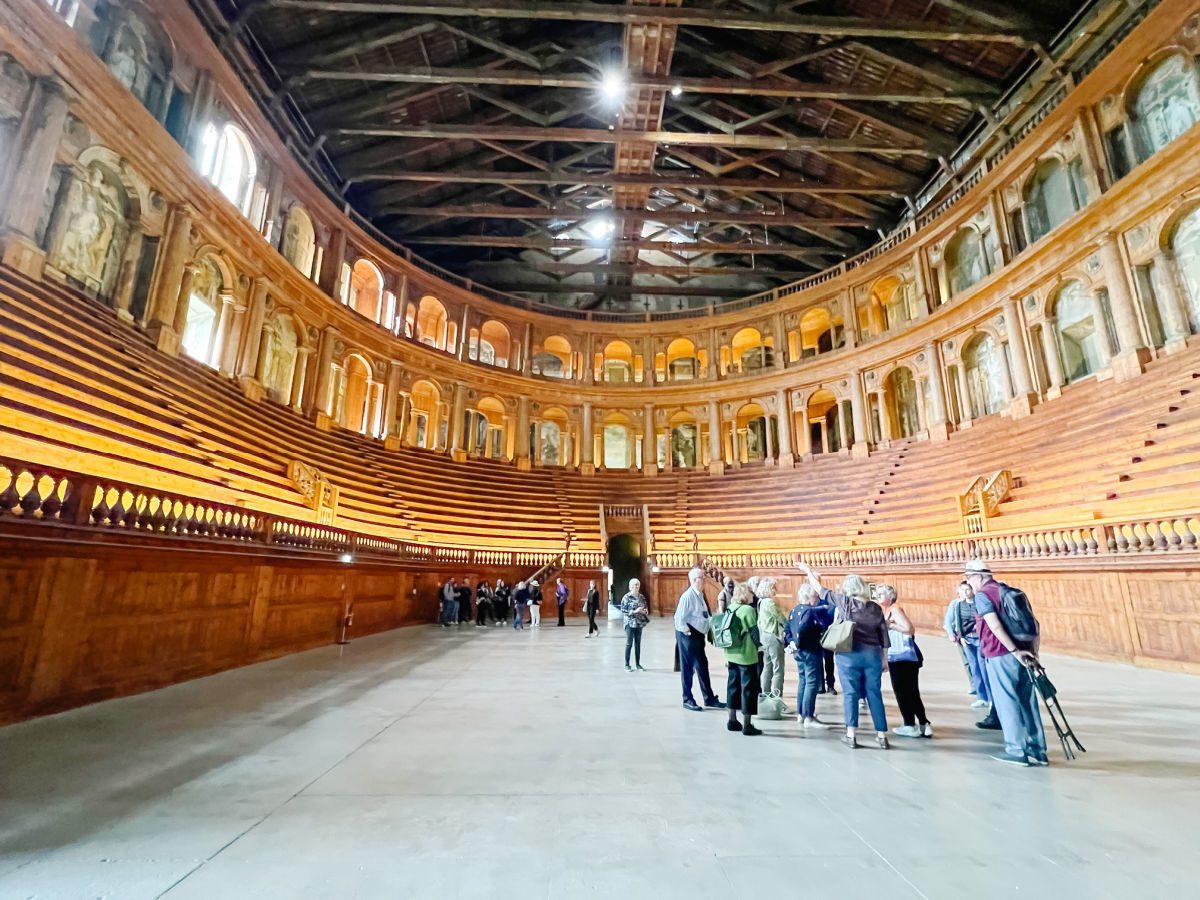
<point>457,411</point>
<point>587,444</point>
<point>1132,352</point>
<point>248,363</point>
<point>858,414</point>
<point>321,399</point>
<point>1023,395</point>
<point>296,398</point>
<point>937,393</point>
<point>716,459</point>
<point>1054,369</point>
<point>787,456</point>
<point>127,276</point>
<point>521,445</point>
<point>964,397</point>
<point>1170,301</point>
<point>649,442</point>
<point>31,161</point>
<point>391,398</point>
<point>223,334</point>
<point>173,257</point>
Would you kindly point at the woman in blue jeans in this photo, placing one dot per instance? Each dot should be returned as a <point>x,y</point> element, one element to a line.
<point>802,635</point>
<point>860,667</point>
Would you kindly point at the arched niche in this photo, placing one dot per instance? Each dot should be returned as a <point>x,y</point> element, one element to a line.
<point>365,295</point>
<point>1185,244</point>
<point>683,440</point>
<point>982,359</point>
<point>431,322</point>
<point>751,431</point>
<point>824,426</point>
<point>299,245</point>
<point>966,260</point>
<point>1079,334</point>
<point>494,344</point>
<point>1051,197</point>
<point>553,359</point>
<point>425,415</point>
<point>617,441</point>
<point>750,351</point>
<point>1163,103</point>
<point>551,437</point>
<point>90,223</point>
<point>352,399</point>
<point>617,363</point>
<point>282,336</point>
<point>209,284</point>
<point>138,52</point>
<point>900,389</point>
<point>681,360</point>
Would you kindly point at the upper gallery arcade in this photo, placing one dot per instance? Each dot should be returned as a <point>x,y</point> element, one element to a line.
<point>1065,248</point>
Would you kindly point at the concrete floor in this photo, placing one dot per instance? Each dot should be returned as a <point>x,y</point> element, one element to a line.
<point>488,763</point>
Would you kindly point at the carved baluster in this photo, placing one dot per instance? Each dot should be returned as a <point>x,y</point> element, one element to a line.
<point>100,508</point>
<point>9,498</point>
<point>53,504</point>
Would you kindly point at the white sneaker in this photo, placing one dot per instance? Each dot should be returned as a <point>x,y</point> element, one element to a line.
<point>980,704</point>
<point>907,731</point>
<point>927,730</point>
<point>817,723</point>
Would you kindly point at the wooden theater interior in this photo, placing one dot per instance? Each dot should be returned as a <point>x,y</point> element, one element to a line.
<point>307,306</point>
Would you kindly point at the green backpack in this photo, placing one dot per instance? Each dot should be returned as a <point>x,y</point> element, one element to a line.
<point>722,626</point>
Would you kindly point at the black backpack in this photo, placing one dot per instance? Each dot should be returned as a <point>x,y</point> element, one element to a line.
<point>1017,615</point>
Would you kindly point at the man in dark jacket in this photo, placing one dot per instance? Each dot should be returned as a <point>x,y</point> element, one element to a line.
<point>591,606</point>
<point>561,594</point>
<point>463,595</point>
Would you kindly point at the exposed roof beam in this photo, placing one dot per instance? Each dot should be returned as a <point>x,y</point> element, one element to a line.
<point>558,177</point>
<point>770,87</point>
<point>643,15</point>
<point>640,268</point>
<point>622,290</point>
<point>451,132</point>
<point>537,243</point>
<point>664,217</point>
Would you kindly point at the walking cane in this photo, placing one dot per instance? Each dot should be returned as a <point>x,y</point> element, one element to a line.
<point>347,621</point>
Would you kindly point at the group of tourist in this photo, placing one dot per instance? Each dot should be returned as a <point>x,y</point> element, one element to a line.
<point>992,623</point>
<point>495,604</point>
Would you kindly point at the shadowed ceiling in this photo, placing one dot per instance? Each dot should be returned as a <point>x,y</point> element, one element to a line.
<point>653,154</point>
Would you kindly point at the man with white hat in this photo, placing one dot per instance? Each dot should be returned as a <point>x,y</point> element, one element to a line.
<point>1008,643</point>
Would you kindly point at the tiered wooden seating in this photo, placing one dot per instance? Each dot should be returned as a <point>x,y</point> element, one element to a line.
<point>82,379</point>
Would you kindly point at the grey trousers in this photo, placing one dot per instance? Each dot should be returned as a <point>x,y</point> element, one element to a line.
<point>772,673</point>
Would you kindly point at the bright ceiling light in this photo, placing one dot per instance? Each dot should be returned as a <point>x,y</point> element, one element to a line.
<point>612,86</point>
<point>600,228</point>
<point>676,91</point>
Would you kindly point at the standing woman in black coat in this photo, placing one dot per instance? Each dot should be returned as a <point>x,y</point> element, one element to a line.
<point>591,606</point>
<point>500,598</point>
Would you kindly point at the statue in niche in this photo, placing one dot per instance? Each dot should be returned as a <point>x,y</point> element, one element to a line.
<point>1168,103</point>
<point>93,231</point>
<point>123,62</point>
<point>683,446</point>
<point>550,444</point>
<point>281,355</point>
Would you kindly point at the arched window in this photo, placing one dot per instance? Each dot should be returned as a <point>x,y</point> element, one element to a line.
<point>431,322</point>
<point>982,359</point>
<point>901,392</point>
<point>280,335</point>
<point>1186,244</point>
<point>424,424</point>
<point>203,311</point>
<point>818,333</point>
<point>966,260</point>
<point>1050,199</point>
<point>750,351</point>
<point>300,241</point>
<point>824,428</point>
<point>227,160</point>
<point>366,290</point>
<point>1165,104</point>
<point>1079,334</point>
<point>495,345</point>
<point>618,363</point>
<point>682,362</point>
<point>554,358</point>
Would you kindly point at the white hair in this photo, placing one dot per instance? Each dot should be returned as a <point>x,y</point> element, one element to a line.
<point>885,592</point>
<point>854,586</point>
<point>806,591</point>
<point>766,588</point>
<point>633,581</point>
<point>695,573</point>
